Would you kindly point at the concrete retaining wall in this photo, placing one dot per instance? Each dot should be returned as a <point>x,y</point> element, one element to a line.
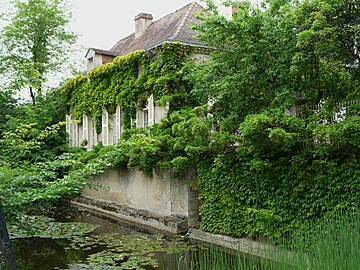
<point>160,196</point>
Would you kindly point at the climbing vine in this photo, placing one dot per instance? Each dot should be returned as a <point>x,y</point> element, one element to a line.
<point>127,81</point>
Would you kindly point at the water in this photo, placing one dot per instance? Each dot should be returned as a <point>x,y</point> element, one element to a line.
<point>110,246</point>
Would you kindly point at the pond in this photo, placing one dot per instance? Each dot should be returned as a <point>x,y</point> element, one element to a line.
<point>81,240</point>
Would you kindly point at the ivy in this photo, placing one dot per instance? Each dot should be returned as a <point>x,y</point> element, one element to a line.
<point>126,82</point>
<point>283,173</point>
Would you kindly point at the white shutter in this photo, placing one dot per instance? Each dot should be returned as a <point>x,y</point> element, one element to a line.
<point>151,110</point>
<point>85,129</point>
<point>68,122</point>
<point>118,123</point>
<point>105,127</point>
<point>93,134</point>
<point>138,118</point>
<point>68,127</point>
<point>75,138</point>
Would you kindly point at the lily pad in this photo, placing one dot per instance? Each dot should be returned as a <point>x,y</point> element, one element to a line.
<point>44,227</point>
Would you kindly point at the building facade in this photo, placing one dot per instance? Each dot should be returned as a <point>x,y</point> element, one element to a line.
<point>149,35</point>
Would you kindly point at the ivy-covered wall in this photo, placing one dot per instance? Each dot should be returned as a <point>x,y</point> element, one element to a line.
<point>127,81</point>
<point>285,174</point>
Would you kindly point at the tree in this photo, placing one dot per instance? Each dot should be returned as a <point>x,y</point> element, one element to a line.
<point>249,69</point>
<point>7,107</point>
<point>286,53</point>
<point>35,43</point>
<point>326,64</point>
<point>5,245</point>
<point>46,113</point>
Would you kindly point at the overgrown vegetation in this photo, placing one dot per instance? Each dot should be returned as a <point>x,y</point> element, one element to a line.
<point>121,83</point>
<point>33,157</point>
<point>260,171</point>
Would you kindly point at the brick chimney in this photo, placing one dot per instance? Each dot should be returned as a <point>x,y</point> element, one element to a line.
<point>142,22</point>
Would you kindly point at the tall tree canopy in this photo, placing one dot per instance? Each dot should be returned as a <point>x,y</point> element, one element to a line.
<point>35,43</point>
<point>284,53</point>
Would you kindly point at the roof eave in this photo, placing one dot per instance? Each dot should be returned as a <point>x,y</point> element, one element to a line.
<point>186,43</point>
<point>102,52</point>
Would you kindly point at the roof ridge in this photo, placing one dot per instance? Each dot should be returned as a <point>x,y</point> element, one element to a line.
<point>181,25</point>
<point>171,27</point>
<point>119,41</point>
<point>191,5</point>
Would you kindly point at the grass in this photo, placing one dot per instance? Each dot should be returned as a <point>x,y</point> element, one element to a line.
<point>334,244</point>
<point>331,245</point>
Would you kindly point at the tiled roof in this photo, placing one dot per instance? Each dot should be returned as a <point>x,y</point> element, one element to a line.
<point>176,26</point>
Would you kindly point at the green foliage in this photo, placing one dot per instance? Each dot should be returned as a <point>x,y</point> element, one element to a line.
<point>325,64</point>
<point>27,188</point>
<point>285,53</point>
<point>259,171</point>
<point>36,43</point>
<point>249,70</point>
<point>33,133</point>
<point>265,173</point>
<point>34,169</point>
<point>283,173</point>
<point>7,107</point>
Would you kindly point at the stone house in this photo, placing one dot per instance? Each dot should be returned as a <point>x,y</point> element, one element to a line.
<point>160,200</point>
<point>148,35</point>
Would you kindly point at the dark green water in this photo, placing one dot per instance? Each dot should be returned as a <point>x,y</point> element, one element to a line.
<point>78,240</point>
<point>110,246</point>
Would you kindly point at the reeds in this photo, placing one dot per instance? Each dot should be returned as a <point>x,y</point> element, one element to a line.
<point>333,244</point>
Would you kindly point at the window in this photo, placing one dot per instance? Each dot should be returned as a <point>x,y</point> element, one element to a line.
<point>85,131</point>
<point>74,134</point>
<point>114,129</point>
<point>145,118</point>
<point>93,134</point>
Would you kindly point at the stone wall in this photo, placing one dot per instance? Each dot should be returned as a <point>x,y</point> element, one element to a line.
<point>159,196</point>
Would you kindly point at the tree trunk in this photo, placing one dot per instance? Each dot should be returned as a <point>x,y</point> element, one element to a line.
<point>32,94</point>
<point>5,245</point>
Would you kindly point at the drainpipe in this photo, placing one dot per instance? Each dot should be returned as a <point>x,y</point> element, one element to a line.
<point>5,245</point>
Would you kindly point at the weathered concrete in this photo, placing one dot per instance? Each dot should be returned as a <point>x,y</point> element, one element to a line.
<point>135,217</point>
<point>158,200</point>
<point>243,246</point>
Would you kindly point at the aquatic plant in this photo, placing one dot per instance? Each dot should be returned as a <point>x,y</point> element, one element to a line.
<point>86,249</point>
<point>332,244</point>
<point>44,227</point>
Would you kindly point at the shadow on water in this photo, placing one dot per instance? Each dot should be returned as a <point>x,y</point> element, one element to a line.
<point>39,253</point>
<point>109,246</point>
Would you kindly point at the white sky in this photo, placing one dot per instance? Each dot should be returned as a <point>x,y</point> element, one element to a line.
<point>101,23</point>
